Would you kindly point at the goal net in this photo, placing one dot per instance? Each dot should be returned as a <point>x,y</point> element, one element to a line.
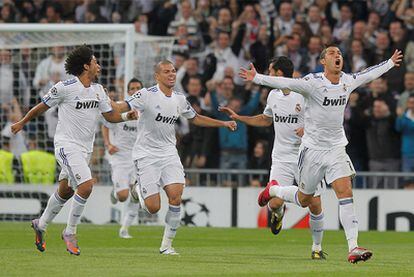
<point>32,60</point>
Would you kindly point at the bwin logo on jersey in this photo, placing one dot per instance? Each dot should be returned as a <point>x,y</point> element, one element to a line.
<point>129,128</point>
<point>334,101</point>
<point>166,119</point>
<point>286,119</point>
<point>87,105</point>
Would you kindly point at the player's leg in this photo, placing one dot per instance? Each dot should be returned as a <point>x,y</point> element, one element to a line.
<point>311,172</point>
<point>172,179</point>
<point>56,202</point>
<point>172,218</point>
<point>80,176</point>
<point>316,228</point>
<point>340,174</point>
<point>284,174</point>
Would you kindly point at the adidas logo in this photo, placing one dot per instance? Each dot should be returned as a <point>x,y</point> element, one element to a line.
<point>77,98</point>
<point>158,107</point>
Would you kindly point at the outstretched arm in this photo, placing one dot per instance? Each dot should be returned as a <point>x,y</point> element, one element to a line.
<point>374,72</point>
<point>107,142</point>
<point>120,106</point>
<point>33,113</point>
<point>301,86</point>
<point>260,120</point>
<point>115,117</point>
<point>205,121</point>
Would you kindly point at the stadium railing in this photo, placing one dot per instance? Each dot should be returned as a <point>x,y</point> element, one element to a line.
<point>244,177</point>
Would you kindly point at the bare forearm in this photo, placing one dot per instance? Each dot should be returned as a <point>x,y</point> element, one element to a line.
<point>34,112</point>
<point>258,120</point>
<point>105,135</point>
<point>205,121</point>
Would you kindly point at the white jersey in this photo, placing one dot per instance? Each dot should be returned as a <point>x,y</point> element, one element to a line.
<point>325,102</point>
<point>123,136</point>
<point>78,112</point>
<point>158,115</point>
<point>287,112</point>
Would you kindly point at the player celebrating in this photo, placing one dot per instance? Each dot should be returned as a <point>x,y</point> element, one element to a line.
<point>79,101</point>
<point>322,152</point>
<point>155,155</point>
<point>285,109</point>
<point>119,140</point>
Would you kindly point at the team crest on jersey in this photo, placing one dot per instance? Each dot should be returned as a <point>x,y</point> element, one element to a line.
<point>53,91</point>
<point>298,108</point>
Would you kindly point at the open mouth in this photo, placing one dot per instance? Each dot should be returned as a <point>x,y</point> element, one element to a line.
<point>338,62</point>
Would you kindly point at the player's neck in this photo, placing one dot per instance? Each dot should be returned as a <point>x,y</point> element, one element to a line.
<point>166,90</point>
<point>333,77</point>
<point>85,80</point>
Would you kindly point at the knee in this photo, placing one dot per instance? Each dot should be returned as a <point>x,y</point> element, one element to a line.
<point>153,209</point>
<point>175,200</point>
<point>344,191</point>
<point>123,195</point>
<point>315,206</point>
<point>85,189</point>
<point>305,200</point>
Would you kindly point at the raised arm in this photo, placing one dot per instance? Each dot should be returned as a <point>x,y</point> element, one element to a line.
<point>301,86</point>
<point>260,120</point>
<point>374,72</point>
<point>33,113</point>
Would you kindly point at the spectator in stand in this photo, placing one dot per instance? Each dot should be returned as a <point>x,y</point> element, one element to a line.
<point>398,41</point>
<point>260,159</point>
<point>378,89</point>
<point>356,58</point>
<point>405,125</point>
<point>195,89</point>
<point>54,12</point>
<point>141,24</point>
<point>260,50</point>
<point>382,140</point>
<point>405,11</point>
<point>93,14</point>
<point>185,17</point>
<point>312,56</point>
<point>7,13</point>
<point>382,49</point>
<point>283,24</point>
<point>373,27</point>
<point>326,35</point>
<point>409,89</point>
<point>293,52</point>
<point>314,19</point>
<point>197,146</point>
<point>343,26</point>
<point>189,69</point>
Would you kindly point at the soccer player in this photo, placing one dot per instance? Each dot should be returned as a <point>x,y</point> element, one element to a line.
<point>285,109</point>
<point>322,152</point>
<point>119,139</point>
<point>79,102</point>
<point>155,155</point>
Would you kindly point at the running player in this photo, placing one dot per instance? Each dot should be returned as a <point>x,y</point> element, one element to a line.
<point>155,155</point>
<point>285,109</point>
<point>79,101</point>
<point>322,152</point>
<point>119,139</point>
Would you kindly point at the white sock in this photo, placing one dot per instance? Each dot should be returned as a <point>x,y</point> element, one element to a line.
<point>131,211</point>
<point>172,222</point>
<point>316,227</point>
<point>288,194</point>
<point>75,213</point>
<point>349,221</point>
<point>54,205</point>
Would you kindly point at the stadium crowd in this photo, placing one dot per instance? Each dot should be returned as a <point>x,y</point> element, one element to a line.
<point>214,38</point>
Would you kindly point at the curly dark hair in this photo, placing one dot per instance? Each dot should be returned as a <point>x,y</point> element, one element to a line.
<point>77,59</point>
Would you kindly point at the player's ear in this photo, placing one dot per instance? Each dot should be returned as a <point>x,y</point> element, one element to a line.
<point>322,61</point>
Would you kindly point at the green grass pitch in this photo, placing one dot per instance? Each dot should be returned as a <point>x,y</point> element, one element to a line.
<point>204,252</point>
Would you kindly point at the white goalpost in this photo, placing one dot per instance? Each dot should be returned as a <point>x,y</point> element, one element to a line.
<point>32,60</point>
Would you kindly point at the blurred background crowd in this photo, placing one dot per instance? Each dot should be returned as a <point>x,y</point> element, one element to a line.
<point>213,39</point>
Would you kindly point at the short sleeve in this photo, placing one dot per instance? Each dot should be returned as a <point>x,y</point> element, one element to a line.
<point>268,110</point>
<point>55,95</point>
<point>137,100</point>
<point>186,110</point>
<point>104,103</point>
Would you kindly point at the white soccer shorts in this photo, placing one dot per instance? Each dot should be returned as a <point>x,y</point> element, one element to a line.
<point>317,165</point>
<point>123,175</point>
<point>74,164</point>
<point>156,173</point>
<point>286,174</point>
